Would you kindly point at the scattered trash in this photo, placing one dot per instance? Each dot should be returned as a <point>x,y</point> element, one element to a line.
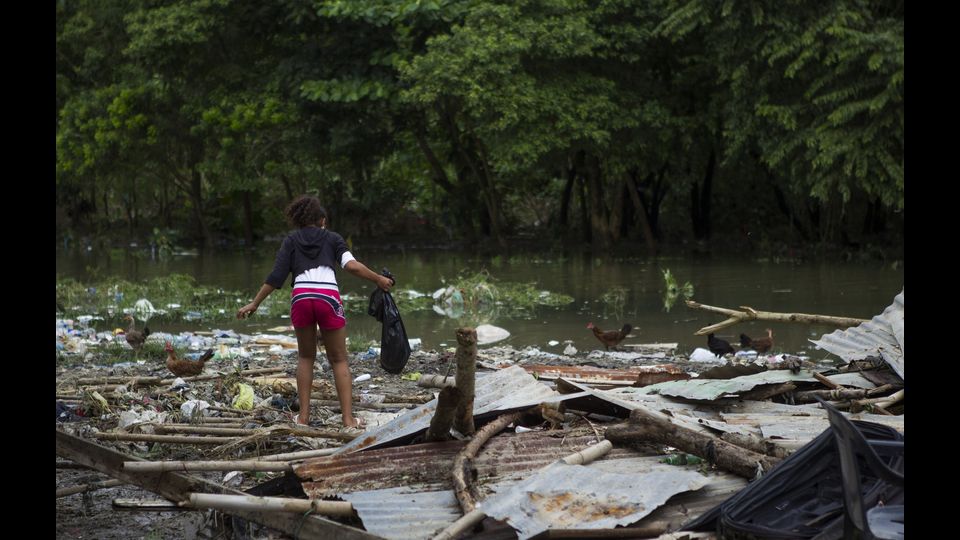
<point>553,343</point>
<point>703,355</point>
<point>487,334</point>
<point>412,376</point>
<point>194,407</point>
<point>244,397</point>
<point>361,378</point>
<point>569,350</point>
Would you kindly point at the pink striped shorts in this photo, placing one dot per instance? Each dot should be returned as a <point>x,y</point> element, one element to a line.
<point>322,307</point>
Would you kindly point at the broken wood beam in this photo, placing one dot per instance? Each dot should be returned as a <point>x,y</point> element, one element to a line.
<point>646,425</point>
<point>187,466</point>
<point>466,357</point>
<point>825,381</point>
<point>253,503</point>
<point>747,313</point>
<point>93,486</point>
<point>177,487</point>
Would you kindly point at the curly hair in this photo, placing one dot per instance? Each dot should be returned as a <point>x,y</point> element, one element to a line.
<point>304,211</point>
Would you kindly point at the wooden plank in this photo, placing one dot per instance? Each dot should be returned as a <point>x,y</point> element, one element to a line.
<point>177,487</point>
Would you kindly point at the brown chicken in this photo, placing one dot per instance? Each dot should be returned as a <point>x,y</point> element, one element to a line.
<point>185,368</point>
<point>760,344</point>
<point>611,338</point>
<point>135,337</point>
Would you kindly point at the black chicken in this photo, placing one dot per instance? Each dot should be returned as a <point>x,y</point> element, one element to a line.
<point>718,346</point>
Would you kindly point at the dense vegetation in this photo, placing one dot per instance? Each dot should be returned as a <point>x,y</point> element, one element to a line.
<point>658,122</point>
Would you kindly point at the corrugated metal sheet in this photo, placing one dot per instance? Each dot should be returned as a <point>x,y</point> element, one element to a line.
<point>406,513</point>
<point>638,375</point>
<point>427,466</point>
<point>711,389</point>
<point>402,514</point>
<point>582,497</point>
<point>787,430</point>
<point>504,390</point>
<point>881,336</point>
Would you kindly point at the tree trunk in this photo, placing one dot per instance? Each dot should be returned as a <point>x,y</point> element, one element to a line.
<point>641,214</point>
<point>196,196</point>
<point>700,200</point>
<point>584,213</point>
<point>599,214</point>
<point>247,219</point>
<point>567,195</point>
<point>286,187</point>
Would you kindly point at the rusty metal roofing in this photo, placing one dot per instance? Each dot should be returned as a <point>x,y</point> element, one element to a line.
<point>503,390</point>
<point>587,497</point>
<point>635,375</point>
<point>401,514</point>
<point>409,513</point>
<point>881,336</point>
<point>508,456</point>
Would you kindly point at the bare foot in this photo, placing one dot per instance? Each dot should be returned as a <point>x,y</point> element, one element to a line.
<point>357,423</point>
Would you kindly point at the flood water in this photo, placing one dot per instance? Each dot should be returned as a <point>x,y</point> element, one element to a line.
<point>828,288</point>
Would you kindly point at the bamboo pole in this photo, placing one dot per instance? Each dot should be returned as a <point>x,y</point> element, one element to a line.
<point>204,430</point>
<point>210,376</point>
<point>747,313</point>
<point>93,486</point>
<point>269,504</point>
<point>335,405</point>
<point>133,380</point>
<point>436,381</point>
<point>297,456</point>
<point>147,505</point>
<point>244,465</point>
<point>169,439</point>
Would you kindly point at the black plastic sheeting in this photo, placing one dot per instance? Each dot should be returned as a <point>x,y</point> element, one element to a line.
<point>802,497</point>
<point>394,346</point>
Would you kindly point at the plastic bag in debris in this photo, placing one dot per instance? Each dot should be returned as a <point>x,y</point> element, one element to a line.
<point>244,398</point>
<point>194,406</point>
<point>131,417</point>
<point>394,346</point>
<point>803,496</point>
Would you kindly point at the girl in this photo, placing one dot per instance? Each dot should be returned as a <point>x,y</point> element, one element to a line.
<point>309,255</point>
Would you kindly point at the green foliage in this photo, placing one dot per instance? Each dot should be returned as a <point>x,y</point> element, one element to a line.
<point>206,116</point>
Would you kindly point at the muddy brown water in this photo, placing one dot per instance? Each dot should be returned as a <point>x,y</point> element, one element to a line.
<point>830,288</point>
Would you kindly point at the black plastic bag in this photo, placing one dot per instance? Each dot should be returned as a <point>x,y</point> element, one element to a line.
<point>802,497</point>
<point>394,346</point>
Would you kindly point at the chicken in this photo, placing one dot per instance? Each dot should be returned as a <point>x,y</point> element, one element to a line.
<point>185,368</point>
<point>135,337</point>
<point>761,344</point>
<point>611,338</point>
<point>718,346</point>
